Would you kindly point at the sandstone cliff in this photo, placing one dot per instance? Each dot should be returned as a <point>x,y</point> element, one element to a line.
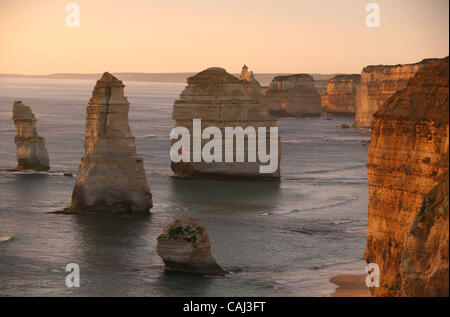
<point>184,246</point>
<point>340,97</point>
<point>111,178</point>
<point>221,100</point>
<point>30,147</point>
<point>252,86</point>
<point>378,83</point>
<point>408,220</point>
<point>293,96</point>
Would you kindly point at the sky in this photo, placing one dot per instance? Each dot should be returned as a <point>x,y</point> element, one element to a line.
<point>283,36</point>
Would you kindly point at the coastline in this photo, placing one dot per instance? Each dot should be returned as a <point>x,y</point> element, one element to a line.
<point>350,285</point>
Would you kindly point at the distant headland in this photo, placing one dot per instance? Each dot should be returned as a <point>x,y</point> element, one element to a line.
<point>263,78</point>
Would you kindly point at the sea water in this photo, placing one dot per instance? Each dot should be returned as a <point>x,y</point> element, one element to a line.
<point>283,238</point>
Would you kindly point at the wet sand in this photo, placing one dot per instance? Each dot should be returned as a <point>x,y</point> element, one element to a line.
<point>350,286</point>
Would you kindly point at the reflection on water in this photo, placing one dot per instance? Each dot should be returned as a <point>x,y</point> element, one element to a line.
<point>226,196</point>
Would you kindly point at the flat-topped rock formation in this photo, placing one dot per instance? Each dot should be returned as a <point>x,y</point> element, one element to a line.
<point>407,232</point>
<point>221,100</point>
<point>340,97</point>
<point>252,86</point>
<point>378,84</point>
<point>111,178</point>
<point>184,246</point>
<point>293,96</point>
<point>30,146</point>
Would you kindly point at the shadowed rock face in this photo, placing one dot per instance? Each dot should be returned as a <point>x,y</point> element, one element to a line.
<point>293,96</point>
<point>111,178</point>
<point>407,232</point>
<point>184,246</point>
<point>31,151</point>
<point>252,86</point>
<point>378,84</point>
<point>221,100</point>
<point>424,263</point>
<point>341,94</point>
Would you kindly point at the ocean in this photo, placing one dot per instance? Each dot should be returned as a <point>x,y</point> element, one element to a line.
<point>283,238</point>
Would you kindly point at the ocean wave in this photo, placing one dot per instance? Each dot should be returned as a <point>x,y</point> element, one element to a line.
<point>287,212</point>
<point>49,173</point>
<point>287,281</point>
<point>326,265</point>
<point>342,221</point>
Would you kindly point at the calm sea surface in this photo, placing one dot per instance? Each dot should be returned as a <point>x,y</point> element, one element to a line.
<point>285,238</point>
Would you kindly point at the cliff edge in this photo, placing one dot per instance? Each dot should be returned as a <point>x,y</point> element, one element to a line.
<point>408,215</point>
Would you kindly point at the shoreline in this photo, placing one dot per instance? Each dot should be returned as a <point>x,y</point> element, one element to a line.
<point>350,285</point>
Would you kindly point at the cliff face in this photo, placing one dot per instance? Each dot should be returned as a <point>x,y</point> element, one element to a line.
<point>408,220</point>
<point>378,83</point>
<point>252,86</point>
<point>111,178</point>
<point>221,100</point>
<point>341,94</point>
<point>31,151</point>
<point>293,96</point>
<point>424,263</point>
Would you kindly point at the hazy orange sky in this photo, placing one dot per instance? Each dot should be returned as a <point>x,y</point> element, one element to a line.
<point>292,36</point>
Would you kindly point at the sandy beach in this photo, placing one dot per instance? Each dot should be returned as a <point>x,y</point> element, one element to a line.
<point>350,285</point>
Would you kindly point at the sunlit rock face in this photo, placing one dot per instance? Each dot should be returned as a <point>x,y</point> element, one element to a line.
<point>221,100</point>
<point>340,97</point>
<point>111,178</point>
<point>378,84</point>
<point>293,96</point>
<point>30,146</point>
<point>252,86</point>
<point>407,232</point>
<point>184,246</point>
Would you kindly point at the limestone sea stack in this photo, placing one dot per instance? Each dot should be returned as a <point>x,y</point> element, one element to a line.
<point>378,83</point>
<point>30,146</point>
<point>184,246</point>
<point>111,177</point>
<point>340,97</point>
<point>293,96</point>
<point>221,100</point>
<point>252,86</point>
<point>408,165</point>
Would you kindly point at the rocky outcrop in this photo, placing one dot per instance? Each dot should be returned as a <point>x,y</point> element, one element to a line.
<point>378,84</point>
<point>293,96</point>
<point>30,146</point>
<point>111,178</point>
<point>252,86</point>
<point>184,246</point>
<point>221,100</point>
<point>407,232</point>
<point>340,97</point>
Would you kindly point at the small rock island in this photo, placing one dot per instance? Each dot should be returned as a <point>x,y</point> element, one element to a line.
<point>30,146</point>
<point>293,96</point>
<point>184,246</point>
<point>340,97</point>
